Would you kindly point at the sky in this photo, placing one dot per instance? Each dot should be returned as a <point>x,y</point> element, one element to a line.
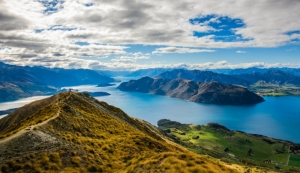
<point>132,34</point>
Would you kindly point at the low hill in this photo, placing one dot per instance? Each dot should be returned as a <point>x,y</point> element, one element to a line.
<point>202,76</point>
<point>73,132</point>
<point>218,141</point>
<point>206,92</point>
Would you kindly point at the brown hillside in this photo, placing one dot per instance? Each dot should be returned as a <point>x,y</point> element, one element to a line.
<point>74,132</point>
<point>22,113</point>
<point>204,92</point>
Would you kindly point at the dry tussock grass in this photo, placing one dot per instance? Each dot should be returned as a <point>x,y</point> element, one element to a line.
<point>102,139</point>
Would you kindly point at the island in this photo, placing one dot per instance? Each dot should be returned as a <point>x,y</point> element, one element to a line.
<point>203,92</point>
<point>98,94</point>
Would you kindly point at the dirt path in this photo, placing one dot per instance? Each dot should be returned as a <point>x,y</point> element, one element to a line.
<point>29,128</point>
<point>288,160</point>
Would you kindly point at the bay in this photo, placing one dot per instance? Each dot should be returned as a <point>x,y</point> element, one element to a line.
<point>20,102</point>
<point>277,117</point>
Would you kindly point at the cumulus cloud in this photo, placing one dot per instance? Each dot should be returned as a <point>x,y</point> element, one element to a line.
<point>180,50</point>
<point>46,32</point>
<point>131,57</point>
<point>240,51</point>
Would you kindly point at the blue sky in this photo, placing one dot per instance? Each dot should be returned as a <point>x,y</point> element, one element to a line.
<point>132,35</point>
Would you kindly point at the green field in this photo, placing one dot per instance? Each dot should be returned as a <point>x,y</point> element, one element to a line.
<point>266,89</point>
<point>294,161</point>
<point>214,140</point>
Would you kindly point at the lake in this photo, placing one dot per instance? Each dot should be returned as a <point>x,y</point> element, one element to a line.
<point>277,117</point>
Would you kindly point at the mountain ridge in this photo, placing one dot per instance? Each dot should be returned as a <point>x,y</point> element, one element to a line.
<point>18,82</point>
<point>72,132</point>
<point>271,76</point>
<point>202,76</point>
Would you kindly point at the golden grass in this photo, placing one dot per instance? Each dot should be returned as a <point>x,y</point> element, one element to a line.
<point>107,141</point>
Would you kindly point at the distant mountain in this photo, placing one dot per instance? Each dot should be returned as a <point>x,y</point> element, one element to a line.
<point>19,82</point>
<point>271,76</point>
<point>202,76</point>
<point>73,132</point>
<point>59,77</point>
<point>293,71</point>
<point>16,82</point>
<point>151,72</point>
<point>206,92</point>
<point>239,71</point>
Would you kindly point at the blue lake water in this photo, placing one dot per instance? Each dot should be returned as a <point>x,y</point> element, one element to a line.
<point>277,117</point>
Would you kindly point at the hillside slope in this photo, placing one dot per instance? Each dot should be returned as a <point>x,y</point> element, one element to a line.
<point>218,141</point>
<point>73,132</point>
<point>206,92</point>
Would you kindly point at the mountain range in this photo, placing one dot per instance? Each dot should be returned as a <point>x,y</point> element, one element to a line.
<point>204,92</point>
<point>19,82</point>
<point>202,76</point>
<point>151,72</point>
<point>271,76</point>
<point>238,71</point>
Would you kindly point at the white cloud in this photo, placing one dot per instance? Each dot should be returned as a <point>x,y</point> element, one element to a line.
<point>179,50</point>
<point>131,57</point>
<point>108,25</point>
<point>240,51</point>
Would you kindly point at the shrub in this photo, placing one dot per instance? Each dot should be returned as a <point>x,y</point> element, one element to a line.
<point>76,161</point>
<point>28,165</point>
<point>55,158</point>
<point>44,159</point>
<point>189,164</point>
<point>92,168</point>
<point>183,156</point>
<point>54,166</point>
<point>4,168</point>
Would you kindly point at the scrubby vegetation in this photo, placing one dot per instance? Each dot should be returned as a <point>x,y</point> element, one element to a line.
<point>92,136</point>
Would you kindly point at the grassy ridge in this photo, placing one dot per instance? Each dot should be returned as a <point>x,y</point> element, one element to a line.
<point>91,136</point>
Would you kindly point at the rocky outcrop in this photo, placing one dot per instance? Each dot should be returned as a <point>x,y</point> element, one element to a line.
<point>205,92</point>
